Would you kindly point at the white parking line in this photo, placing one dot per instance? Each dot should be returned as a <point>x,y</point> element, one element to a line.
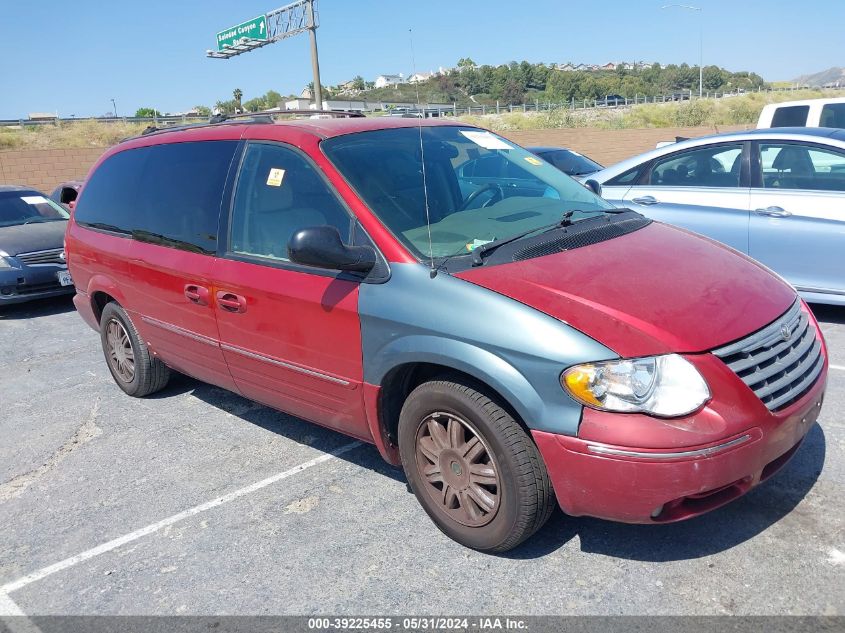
<point>133,536</point>
<point>8,606</point>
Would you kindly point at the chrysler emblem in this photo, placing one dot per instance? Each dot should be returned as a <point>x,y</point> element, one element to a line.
<point>785,332</point>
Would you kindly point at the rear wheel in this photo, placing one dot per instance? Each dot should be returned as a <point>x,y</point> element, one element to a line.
<point>133,368</point>
<point>473,468</point>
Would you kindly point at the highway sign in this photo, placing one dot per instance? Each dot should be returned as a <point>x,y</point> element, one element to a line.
<point>254,29</point>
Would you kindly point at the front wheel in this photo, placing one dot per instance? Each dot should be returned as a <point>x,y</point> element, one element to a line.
<point>473,468</point>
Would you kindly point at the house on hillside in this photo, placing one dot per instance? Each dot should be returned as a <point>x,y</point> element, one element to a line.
<point>420,77</point>
<point>385,81</point>
<point>609,66</point>
<point>568,67</point>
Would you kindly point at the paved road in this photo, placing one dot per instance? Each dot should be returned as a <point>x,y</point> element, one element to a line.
<point>105,509</point>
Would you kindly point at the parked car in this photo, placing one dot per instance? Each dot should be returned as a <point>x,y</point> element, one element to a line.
<point>32,257</point>
<point>613,100</point>
<point>67,192</point>
<point>508,339</point>
<point>568,161</point>
<point>806,113</point>
<point>775,195</point>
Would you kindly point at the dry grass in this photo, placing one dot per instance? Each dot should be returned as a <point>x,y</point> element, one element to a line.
<point>68,135</point>
<point>738,110</point>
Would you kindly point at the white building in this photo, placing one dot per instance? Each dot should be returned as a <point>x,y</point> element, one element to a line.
<point>298,104</point>
<point>420,77</point>
<point>384,81</point>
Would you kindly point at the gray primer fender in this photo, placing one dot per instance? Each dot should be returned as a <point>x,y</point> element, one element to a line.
<point>517,350</point>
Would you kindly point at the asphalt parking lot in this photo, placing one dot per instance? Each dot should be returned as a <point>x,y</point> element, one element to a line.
<point>197,501</point>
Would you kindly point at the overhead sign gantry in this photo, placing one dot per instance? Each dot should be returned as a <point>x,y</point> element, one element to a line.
<point>276,25</point>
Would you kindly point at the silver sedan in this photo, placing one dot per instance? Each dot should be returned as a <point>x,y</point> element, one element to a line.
<point>777,195</point>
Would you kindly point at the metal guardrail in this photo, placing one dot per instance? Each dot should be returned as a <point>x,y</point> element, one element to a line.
<point>455,110</point>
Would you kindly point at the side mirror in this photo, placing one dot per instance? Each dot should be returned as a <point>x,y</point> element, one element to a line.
<point>594,186</point>
<point>322,247</point>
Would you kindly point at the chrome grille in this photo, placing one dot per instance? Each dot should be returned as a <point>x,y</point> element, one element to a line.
<point>780,362</point>
<point>51,256</point>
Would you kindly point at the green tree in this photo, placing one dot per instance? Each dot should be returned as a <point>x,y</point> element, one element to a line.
<point>146,113</point>
<point>466,62</point>
<point>237,93</point>
<point>202,110</point>
<point>358,83</point>
<point>227,107</point>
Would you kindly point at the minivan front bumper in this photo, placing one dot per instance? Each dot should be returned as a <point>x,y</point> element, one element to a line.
<point>637,484</point>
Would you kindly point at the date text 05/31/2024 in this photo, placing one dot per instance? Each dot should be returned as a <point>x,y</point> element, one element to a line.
<point>416,624</point>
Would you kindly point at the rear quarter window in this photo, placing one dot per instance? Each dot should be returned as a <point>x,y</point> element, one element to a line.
<point>791,116</point>
<point>168,194</point>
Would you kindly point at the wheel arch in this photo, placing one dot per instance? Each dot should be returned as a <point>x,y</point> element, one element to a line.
<point>419,362</point>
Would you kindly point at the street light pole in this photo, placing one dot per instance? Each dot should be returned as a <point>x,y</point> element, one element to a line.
<point>690,7</point>
<point>114,108</point>
<point>315,61</point>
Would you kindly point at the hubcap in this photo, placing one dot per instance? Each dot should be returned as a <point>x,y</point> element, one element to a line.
<point>119,351</point>
<point>459,471</point>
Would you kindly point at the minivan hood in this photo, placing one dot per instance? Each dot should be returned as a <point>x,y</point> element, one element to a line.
<point>654,291</point>
<point>38,236</point>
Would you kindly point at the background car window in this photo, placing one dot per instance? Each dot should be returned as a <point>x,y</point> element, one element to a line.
<point>571,162</point>
<point>625,178</point>
<point>279,193</point>
<point>717,166</point>
<point>791,116</point>
<point>180,191</point>
<point>833,115</point>
<point>796,166</point>
<point>168,194</point>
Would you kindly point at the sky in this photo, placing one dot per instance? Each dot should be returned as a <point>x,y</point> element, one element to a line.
<point>74,56</point>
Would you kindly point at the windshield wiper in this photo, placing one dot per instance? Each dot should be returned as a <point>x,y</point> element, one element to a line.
<point>567,217</point>
<point>479,253</point>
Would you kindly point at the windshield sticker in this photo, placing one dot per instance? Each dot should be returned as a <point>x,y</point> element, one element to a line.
<point>274,178</point>
<point>533,161</point>
<point>485,139</point>
<point>34,199</point>
<point>476,243</point>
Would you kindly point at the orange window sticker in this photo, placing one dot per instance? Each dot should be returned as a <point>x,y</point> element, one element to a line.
<point>533,161</point>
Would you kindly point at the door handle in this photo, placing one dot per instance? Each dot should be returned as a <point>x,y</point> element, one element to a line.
<point>646,200</point>
<point>773,212</point>
<point>196,294</point>
<point>230,302</point>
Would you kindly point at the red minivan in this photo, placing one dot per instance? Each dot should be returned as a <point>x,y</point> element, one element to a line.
<point>505,335</point>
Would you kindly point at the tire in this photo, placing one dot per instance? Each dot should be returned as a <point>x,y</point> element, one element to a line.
<point>133,368</point>
<point>474,511</point>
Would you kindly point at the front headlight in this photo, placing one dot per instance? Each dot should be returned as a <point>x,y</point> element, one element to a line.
<point>666,386</point>
<point>6,263</point>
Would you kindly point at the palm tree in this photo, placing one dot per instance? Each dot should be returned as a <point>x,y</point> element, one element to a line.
<point>237,94</point>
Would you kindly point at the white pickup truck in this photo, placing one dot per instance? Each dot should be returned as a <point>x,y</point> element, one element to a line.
<point>808,113</point>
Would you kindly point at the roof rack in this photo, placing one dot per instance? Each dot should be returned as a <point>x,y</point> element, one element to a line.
<point>264,117</point>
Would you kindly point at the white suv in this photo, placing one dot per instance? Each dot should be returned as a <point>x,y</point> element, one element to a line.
<point>808,113</point>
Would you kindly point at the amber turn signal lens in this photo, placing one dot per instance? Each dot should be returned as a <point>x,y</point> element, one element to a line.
<point>577,382</point>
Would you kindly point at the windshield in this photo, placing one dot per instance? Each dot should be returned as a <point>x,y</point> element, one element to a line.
<point>479,186</point>
<point>27,207</point>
